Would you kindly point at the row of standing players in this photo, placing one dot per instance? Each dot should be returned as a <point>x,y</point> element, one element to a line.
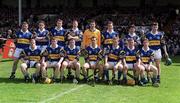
<point>125,56</point>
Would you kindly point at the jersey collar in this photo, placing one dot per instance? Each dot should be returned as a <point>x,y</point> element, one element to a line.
<point>32,49</point>
<point>58,28</point>
<point>144,49</point>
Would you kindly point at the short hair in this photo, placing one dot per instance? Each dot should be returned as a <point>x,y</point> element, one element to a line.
<point>59,20</point>
<point>130,39</point>
<point>131,26</point>
<point>145,39</point>
<point>41,21</point>
<point>92,21</point>
<point>116,38</point>
<point>109,22</point>
<point>154,23</point>
<point>24,23</point>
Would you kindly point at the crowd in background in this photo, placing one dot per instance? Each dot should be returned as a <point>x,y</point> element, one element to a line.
<point>121,17</point>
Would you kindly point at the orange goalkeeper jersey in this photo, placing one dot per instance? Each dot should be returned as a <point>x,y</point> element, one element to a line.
<point>88,34</point>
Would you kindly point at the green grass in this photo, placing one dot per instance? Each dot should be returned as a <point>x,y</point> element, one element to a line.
<point>16,91</point>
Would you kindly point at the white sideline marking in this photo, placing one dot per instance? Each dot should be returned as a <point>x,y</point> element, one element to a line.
<point>61,94</point>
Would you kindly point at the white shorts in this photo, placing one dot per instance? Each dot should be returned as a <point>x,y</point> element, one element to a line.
<point>130,65</point>
<point>92,63</point>
<point>17,52</point>
<point>112,65</point>
<point>32,64</point>
<point>157,54</point>
<point>51,64</point>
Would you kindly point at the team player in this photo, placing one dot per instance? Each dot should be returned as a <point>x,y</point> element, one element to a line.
<point>59,33</point>
<point>132,34</point>
<point>52,58</point>
<point>113,60</point>
<point>108,35</point>
<point>22,41</point>
<point>89,33</point>
<point>42,36</point>
<point>92,59</point>
<point>155,43</point>
<point>31,59</point>
<point>75,33</point>
<point>131,58</point>
<point>145,63</point>
<point>72,53</point>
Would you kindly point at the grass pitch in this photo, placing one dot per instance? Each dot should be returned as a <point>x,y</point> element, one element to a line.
<point>16,91</point>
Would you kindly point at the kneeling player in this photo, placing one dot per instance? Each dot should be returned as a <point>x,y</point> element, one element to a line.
<point>31,59</point>
<point>92,58</point>
<point>52,59</point>
<point>113,60</point>
<point>130,64</point>
<point>71,60</point>
<point>146,58</point>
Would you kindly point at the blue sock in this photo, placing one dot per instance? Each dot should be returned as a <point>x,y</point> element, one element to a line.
<point>106,72</point>
<point>119,74</point>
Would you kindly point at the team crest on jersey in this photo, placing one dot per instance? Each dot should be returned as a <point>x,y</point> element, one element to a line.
<point>150,37</point>
<point>158,37</point>
<point>127,53</point>
<point>67,52</point>
<point>50,51</point>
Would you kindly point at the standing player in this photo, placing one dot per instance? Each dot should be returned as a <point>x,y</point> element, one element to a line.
<point>146,59</point>
<point>107,36</point>
<point>31,58</point>
<point>75,33</point>
<point>132,34</point>
<point>42,36</point>
<point>92,59</point>
<point>113,60</point>
<point>22,41</point>
<point>155,43</point>
<point>52,59</point>
<point>130,64</point>
<point>59,33</point>
<point>89,33</point>
<point>71,60</point>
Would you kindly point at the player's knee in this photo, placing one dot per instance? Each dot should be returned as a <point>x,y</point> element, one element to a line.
<point>65,64</point>
<point>86,65</point>
<point>38,65</point>
<point>23,66</point>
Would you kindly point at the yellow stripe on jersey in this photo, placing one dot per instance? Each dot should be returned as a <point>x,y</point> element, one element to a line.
<point>154,42</point>
<point>130,58</point>
<point>93,57</point>
<point>34,58</point>
<point>112,56</point>
<point>23,41</point>
<point>71,57</point>
<point>108,41</point>
<point>145,59</point>
<point>59,38</point>
<point>54,56</point>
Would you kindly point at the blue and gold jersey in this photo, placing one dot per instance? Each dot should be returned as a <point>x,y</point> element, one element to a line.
<point>23,39</point>
<point>146,56</point>
<point>59,35</point>
<point>78,33</point>
<point>154,40</point>
<point>43,33</point>
<point>32,55</point>
<point>134,37</point>
<point>53,54</point>
<point>131,55</point>
<point>107,38</point>
<point>72,54</point>
<point>93,53</point>
<point>113,54</point>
